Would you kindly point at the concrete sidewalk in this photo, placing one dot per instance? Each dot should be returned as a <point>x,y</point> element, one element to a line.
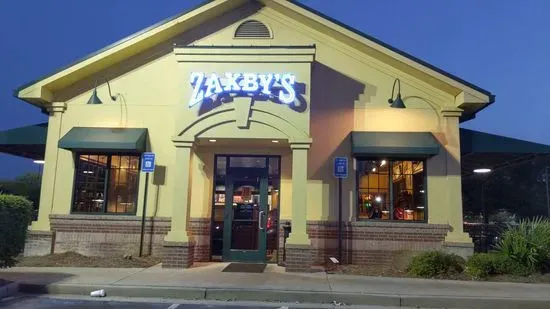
<point>209,282</point>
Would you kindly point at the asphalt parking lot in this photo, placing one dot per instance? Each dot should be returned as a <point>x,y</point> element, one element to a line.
<point>68,302</point>
<point>31,302</point>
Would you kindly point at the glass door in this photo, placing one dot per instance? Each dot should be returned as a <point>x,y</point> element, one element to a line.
<point>244,236</point>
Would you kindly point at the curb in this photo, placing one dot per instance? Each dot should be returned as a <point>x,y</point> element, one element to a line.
<point>312,297</point>
<point>9,289</point>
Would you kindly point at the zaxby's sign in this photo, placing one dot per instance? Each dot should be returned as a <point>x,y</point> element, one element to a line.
<point>277,87</point>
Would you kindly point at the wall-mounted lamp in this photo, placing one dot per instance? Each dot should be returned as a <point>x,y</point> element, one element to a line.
<point>398,102</point>
<point>94,99</point>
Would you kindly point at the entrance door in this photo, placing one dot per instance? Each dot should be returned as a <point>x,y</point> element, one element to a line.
<point>245,215</point>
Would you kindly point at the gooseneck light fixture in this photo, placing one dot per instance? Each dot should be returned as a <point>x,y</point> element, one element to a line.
<point>398,102</point>
<point>94,99</point>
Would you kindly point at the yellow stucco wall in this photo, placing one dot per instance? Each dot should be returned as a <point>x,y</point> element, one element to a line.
<point>346,90</point>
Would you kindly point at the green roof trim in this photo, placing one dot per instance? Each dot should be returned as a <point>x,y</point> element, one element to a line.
<point>472,141</point>
<point>105,139</point>
<point>395,144</point>
<point>27,141</point>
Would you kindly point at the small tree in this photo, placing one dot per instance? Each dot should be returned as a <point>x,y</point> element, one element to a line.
<point>15,214</point>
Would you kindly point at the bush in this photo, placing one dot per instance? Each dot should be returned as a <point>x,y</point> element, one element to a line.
<point>482,265</point>
<point>527,243</point>
<point>15,215</point>
<point>435,263</point>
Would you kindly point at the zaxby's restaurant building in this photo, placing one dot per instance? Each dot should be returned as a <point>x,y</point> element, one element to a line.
<point>246,104</point>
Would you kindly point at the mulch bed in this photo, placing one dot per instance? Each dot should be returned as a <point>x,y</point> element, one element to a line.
<point>400,263</point>
<point>72,259</point>
<point>378,271</point>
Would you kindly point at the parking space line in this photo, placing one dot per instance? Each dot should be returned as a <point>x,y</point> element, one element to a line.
<point>173,306</point>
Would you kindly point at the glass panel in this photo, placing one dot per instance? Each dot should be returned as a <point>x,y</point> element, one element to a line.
<point>89,184</point>
<point>408,190</point>
<point>123,185</point>
<point>115,161</point>
<point>246,198</point>
<point>221,164</point>
<point>259,162</point>
<point>373,195</point>
<point>274,166</point>
<point>272,224</point>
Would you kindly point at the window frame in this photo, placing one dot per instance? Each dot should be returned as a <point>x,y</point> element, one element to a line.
<point>107,182</point>
<point>391,160</point>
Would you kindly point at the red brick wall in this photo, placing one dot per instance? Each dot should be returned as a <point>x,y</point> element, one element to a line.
<point>373,242</point>
<point>108,235</point>
<point>200,230</point>
<point>177,255</point>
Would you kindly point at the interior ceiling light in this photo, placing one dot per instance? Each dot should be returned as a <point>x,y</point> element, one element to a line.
<point>482,170</point>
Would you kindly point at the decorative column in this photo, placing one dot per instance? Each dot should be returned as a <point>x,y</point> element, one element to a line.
<point>178,249</point>
<point>47,190</point>
<point>39,239</point>
<point>456,241</point>
<point>298,246</point>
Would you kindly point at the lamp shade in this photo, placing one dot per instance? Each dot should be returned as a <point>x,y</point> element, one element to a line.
<point>398,102</point>
<point>94,99</point>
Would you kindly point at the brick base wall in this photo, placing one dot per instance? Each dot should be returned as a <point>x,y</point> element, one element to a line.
<point>200,230</point>
<point>373,243</point>
<point>38,243</point>
<point>177,255</point>
<point>298,258</point>
<point>101,235</point>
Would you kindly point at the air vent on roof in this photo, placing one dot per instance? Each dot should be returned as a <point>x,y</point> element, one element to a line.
<point>253,29</point>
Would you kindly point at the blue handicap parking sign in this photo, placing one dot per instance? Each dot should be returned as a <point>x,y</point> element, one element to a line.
<point>340,167</point>
<point>148,162</point>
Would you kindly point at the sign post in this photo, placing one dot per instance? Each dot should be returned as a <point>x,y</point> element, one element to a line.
<point>147,166</point>
<point>340,170</point>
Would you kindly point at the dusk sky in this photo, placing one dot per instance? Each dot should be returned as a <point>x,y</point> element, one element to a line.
<point>500,45</point>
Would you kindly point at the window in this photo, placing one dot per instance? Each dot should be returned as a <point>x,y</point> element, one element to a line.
<point>106,184</point>
<point>391,190</point>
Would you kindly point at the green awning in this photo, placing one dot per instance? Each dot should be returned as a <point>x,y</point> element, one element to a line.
<point>485,150</point>
<point>400,144</point>
<point>105,139</point>
<point>28,141</point>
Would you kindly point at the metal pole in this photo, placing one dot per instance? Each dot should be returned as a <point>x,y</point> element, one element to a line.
<point>340,220</point>
<point>143,215</point>
<point>485,219</point>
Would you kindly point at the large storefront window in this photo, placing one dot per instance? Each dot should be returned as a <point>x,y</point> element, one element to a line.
<point>106,184</point>
<point>391,190</point>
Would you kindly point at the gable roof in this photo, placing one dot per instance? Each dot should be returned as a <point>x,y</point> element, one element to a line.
<point>40,91</point>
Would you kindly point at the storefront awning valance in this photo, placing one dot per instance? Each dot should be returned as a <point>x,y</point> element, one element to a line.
<point>105,139</point>
<point>405,144</point>
<point>28,141</point>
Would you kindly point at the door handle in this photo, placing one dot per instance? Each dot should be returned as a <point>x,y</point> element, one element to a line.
<point>260,220</point>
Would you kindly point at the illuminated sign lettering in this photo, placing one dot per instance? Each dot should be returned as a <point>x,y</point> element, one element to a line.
<point>280,86</point>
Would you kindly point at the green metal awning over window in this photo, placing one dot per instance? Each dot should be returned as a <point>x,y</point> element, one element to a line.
<point>28,141</point>
<point>404,144</point>
<point>105,139</point>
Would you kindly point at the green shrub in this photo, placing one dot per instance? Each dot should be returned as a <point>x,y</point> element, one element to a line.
<point>527,243</point>
<point>482,265</point>
<point>15,215</point>
<point>434,264</point>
